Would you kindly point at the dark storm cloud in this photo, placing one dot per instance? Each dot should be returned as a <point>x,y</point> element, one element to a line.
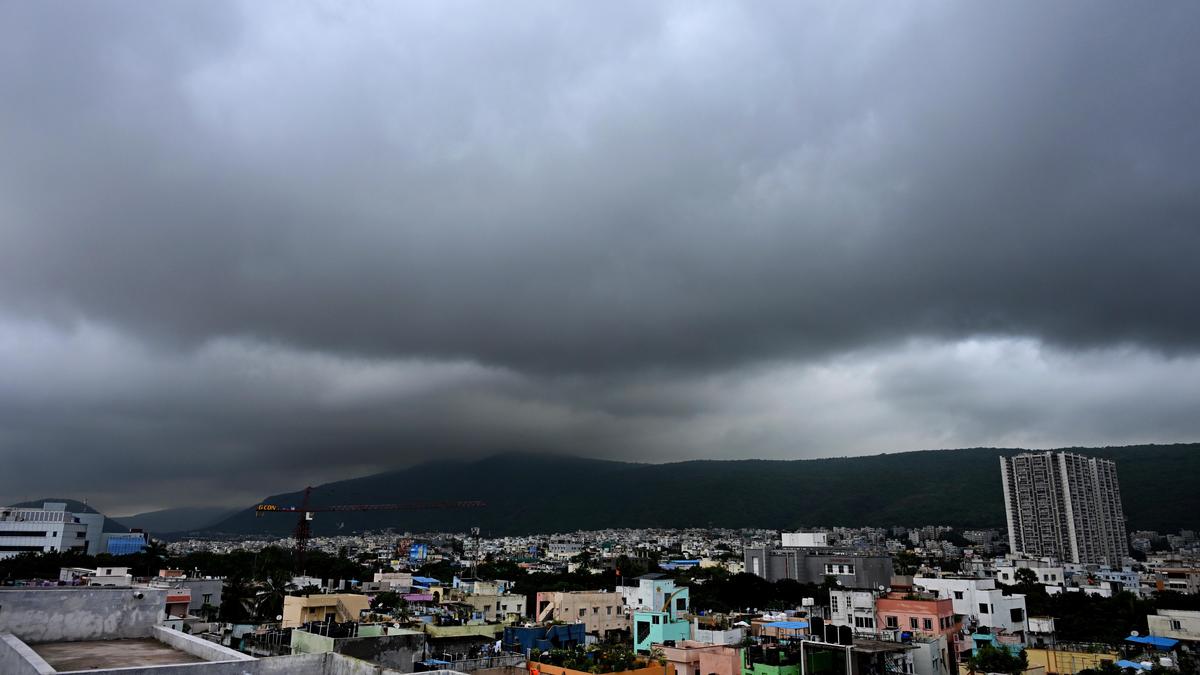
<point>582,226</point>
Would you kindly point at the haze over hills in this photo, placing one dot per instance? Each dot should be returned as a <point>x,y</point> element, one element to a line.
<point>531,493</point>
<point>175,520</point>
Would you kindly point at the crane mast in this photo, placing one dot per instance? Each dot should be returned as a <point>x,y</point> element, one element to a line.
<point>303,530</point>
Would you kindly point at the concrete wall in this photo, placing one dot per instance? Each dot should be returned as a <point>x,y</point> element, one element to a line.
<point>306,664</point>
<point>16,658</point>
<point>343,665</point>
<point>392,651</point>
<point>198,647</point>
<point>84,613</point>
<point>304,642</point>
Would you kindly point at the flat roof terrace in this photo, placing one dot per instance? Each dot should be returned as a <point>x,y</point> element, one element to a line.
<point>102,654</point>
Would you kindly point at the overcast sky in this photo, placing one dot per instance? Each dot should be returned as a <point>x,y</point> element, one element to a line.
<point>249,246</point>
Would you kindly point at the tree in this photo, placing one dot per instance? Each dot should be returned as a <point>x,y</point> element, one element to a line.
<point>988,659</point>
<point>271,592</point>
<point>386,602</point>
<point>152,557</point>
<point>1025,577</point>
<point>906,562</point>
<point>237,599</point>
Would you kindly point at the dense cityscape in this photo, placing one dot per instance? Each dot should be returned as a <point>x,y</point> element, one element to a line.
<point>1064,589</point>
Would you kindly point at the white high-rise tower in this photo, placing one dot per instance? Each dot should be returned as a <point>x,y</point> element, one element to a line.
<point>1064,505</point>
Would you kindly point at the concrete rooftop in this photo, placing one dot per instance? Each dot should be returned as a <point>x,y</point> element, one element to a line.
<point>92,655</point>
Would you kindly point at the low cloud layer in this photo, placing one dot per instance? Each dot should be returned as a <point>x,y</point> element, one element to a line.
<point>245,246</point>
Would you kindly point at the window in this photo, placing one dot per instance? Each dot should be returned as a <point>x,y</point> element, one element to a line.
<point>838,568</point>
<point>596,610</point>
<point>583,611</point>
<point>1016,614</point>
<point>983,608</point>
<point>864,622</point>
<point>680,603</point>
<point>609,608</point>
<point>912,622</point>
<point>893,622</point>
<point>928,624</point>
<point>958,595</point>
<point>833,603</point>
<point>1175,625</point>
<point>206,599</point>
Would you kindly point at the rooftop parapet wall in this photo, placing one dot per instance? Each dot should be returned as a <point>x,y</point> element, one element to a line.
<point>83,613</point>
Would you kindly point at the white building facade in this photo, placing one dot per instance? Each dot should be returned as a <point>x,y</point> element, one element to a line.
<point>50,528</point>
<point>981,603</point>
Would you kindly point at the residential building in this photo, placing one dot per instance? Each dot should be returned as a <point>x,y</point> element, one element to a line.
<point>1070,661</point>
<point>980,603</point>
<point>1064,505</point>
<point>855,609</point>
<point>505,607</point>
<point>653,592</point>
<point>601,612</point>
<point>1047,571</point>
<point>1176,624</point>
<point>339,607</point>
<point>111,576</point>
<point>1178,579</point>
<point>692,658</point>
<point>645,667</point>
<point>800,657</point>
<point>657,628</point>
<point>920,614</point>
<point>717,629</point>
<point>667,623</point>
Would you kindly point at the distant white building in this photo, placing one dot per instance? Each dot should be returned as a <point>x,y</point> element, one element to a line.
<point>805,539</point>
<point>50,528</point>
<point>1047,571</point>
<point>853,608</point>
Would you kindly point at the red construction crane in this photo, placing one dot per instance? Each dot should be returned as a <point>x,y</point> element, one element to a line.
<point>303,532</point>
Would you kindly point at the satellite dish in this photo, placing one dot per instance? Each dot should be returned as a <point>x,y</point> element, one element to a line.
<point>279,617</point>
<point>1134,633</point>
<point>882,588</point>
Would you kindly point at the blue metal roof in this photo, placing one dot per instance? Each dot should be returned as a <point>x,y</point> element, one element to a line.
<point>788,624</point>
<point>426,580</point>
<point>1153,641</point>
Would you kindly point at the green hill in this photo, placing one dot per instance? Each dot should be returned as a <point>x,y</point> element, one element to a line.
<point>530,493</point>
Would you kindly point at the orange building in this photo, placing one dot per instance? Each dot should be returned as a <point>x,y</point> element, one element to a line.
<point>921,614</point>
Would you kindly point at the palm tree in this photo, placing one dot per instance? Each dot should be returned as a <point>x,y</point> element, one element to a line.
<point>236,599</point>
<point>153,554</point>
<point>270,595</point>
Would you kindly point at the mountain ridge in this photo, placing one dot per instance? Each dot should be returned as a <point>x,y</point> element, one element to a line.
<point>534,492</point>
